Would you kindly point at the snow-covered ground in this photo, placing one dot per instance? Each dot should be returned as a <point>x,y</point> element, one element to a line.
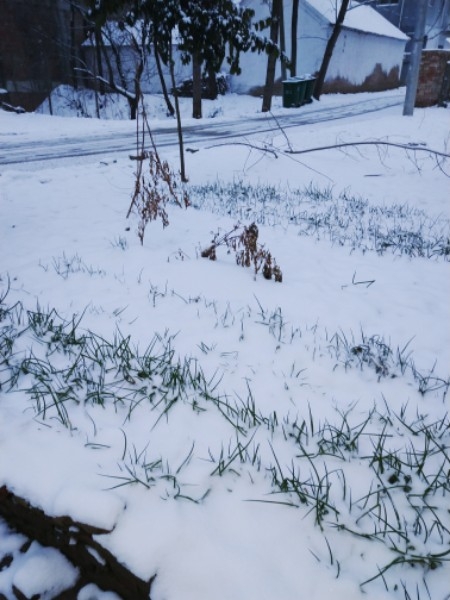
<point>241,438</point>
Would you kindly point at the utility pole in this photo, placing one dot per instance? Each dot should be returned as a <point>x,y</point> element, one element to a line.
<point>416,53</point>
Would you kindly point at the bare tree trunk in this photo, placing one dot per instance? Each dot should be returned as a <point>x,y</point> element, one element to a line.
<point>50,103</point>
<point>132,98</point>
<point>108,64</point>
<point>77,542</point>
<point>134,102</point>
<point>97,103</point>
<point>99,51</point>
<point>196,87</point>
<point>272,59</point>
<point>179,128</point>
<point>329,49</point>
<point>294,27</point>
<point>98,55</point>
<point>169,104</point>
<point>282,41</point>
<point>141,51</point>
<point>73,49</point>
<point>213,90</point>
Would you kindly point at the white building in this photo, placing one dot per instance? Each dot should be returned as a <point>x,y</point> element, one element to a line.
<point>368,55</point>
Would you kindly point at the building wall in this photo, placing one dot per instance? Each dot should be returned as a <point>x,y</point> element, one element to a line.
<point>434,67</point>
<point>363,62</point>
<point>360,61</point>
<point>36,48</point>
<point>39,41</point>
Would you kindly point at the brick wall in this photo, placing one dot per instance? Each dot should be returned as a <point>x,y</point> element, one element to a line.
<point>433,66</point>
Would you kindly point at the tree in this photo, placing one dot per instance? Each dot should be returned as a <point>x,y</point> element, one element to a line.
<point>114,36</point>
<point>208,31</point>
<point>159,68</point>
<point>163,17</point>
<point>282,42</point>
<point>147,28</point>
<point>276,15</point>
<point>329,48</point>
<point>294,27</point>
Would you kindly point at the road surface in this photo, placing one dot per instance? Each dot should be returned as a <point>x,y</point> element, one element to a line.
<point>17,152</point>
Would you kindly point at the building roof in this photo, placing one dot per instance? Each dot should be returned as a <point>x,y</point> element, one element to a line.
<point>358,17</point>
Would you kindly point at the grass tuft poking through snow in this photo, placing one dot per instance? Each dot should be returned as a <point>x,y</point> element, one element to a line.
<point>345,220</point>
<point>238,438</point>
<point>381,478</point>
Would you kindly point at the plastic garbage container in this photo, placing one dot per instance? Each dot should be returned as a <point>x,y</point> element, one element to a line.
<point>298,91</point>
<point>290,94</point>
<point>309,91</point>
<point>302,84</point>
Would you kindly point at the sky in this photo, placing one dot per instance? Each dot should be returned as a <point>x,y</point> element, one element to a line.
<point>237,437</point>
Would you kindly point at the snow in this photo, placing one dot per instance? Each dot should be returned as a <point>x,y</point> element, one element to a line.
<point>205,530</point>
<point>360,17</point>
<point>45,572</point>
<point>92,592</point>
<point>36,570</point>
<point>92,505</point>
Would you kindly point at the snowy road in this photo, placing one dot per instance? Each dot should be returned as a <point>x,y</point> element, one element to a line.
<point>17,151</point>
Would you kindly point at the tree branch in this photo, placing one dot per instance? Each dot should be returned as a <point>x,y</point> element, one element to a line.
<point>264,148</point>
<point>270,150</point>
<point>114,87</point>
<point>411,146</point>
<point>76,542</point>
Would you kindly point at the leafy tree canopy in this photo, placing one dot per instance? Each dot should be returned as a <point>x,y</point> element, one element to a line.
<point>211,29</point>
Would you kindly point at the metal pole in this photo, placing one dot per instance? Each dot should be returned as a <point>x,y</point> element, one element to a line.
<point>416,53</point>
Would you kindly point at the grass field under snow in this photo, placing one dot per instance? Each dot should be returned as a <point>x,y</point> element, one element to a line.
<point>241,438</point>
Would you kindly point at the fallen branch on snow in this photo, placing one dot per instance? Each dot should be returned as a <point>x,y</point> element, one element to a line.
<point>412,146</point>
<point>274,151</point>
<point>76,542</point>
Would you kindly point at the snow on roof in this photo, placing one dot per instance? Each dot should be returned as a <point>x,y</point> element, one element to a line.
<point>359,17</point>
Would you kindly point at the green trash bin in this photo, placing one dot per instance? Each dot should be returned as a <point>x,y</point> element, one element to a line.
<point>298,91</point>
<point>310,84</point>
<point>290,94</point>
<point>302,84</point>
